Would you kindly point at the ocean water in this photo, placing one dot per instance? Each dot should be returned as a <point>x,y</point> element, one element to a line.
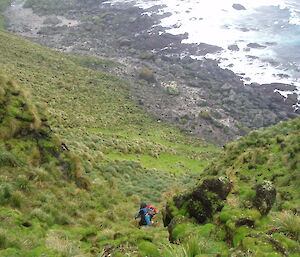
<point>273,25</point>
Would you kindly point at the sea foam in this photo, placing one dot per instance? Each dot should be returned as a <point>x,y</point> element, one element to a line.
<point>269,25</point>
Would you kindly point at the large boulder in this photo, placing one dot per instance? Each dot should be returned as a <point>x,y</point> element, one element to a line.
<point>207,199</point>
<point>265,197</point>
<point>204,201</point>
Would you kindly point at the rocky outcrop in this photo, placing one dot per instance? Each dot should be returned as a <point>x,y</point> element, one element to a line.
<point>238,7</point>
<point>255,45</point>
<point>233,48</point>
<point>207,199</point>
<point>201,203</point>
<point>177,202</point>
<point>265,197</point>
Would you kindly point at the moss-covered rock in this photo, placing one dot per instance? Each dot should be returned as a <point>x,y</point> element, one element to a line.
<point>175,207</point>
<point>265,197</point>
<point>201,203</point>
<point>207,198</point>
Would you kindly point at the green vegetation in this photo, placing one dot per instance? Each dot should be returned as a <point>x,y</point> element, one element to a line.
<point>171,90</point>
<point>270,154</point>
<point>256,166</point>
<point>82,201</point>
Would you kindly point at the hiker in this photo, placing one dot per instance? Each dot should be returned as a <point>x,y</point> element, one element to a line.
<point>151,212</point>
<point>145,217</point>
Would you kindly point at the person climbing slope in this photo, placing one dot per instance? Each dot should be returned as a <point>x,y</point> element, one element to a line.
<point>144,215</point>
<point>151,212</point>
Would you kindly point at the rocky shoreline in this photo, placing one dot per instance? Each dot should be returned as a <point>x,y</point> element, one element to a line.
<point>196,95</point>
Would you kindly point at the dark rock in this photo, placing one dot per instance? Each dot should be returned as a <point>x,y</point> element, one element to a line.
<point>244,221</point>
<point>251,57</point>
<point>279,86</point>
<point>244,29</point>
<point>220,186</point>
<point>292,99</point>
<point>270,43</point>
<point>167,215</point>
<point>204,201</point>
<point>124,41</point>
<point>283,76</point>
<point>178,200</point>
<point>265,197</point>
<point>233,48</point>
<point>238,7</point>
<point>26,224</point>
<point>255,45</point>
<point>207,199</point>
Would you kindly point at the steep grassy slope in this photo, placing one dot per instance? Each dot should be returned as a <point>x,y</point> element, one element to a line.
<point>253,169</point>
<point>41,185</point>
<point>126,157</point>
<point>93,109</point>
<point>49,207</point>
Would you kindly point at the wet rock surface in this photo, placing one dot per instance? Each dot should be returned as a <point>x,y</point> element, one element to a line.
<point>195,95</point>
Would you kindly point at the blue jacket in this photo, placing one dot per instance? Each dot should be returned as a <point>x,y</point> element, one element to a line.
<point>145,218</point>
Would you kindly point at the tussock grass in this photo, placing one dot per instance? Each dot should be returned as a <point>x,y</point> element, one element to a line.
<point>288,222</point>
<point>193,247</point>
